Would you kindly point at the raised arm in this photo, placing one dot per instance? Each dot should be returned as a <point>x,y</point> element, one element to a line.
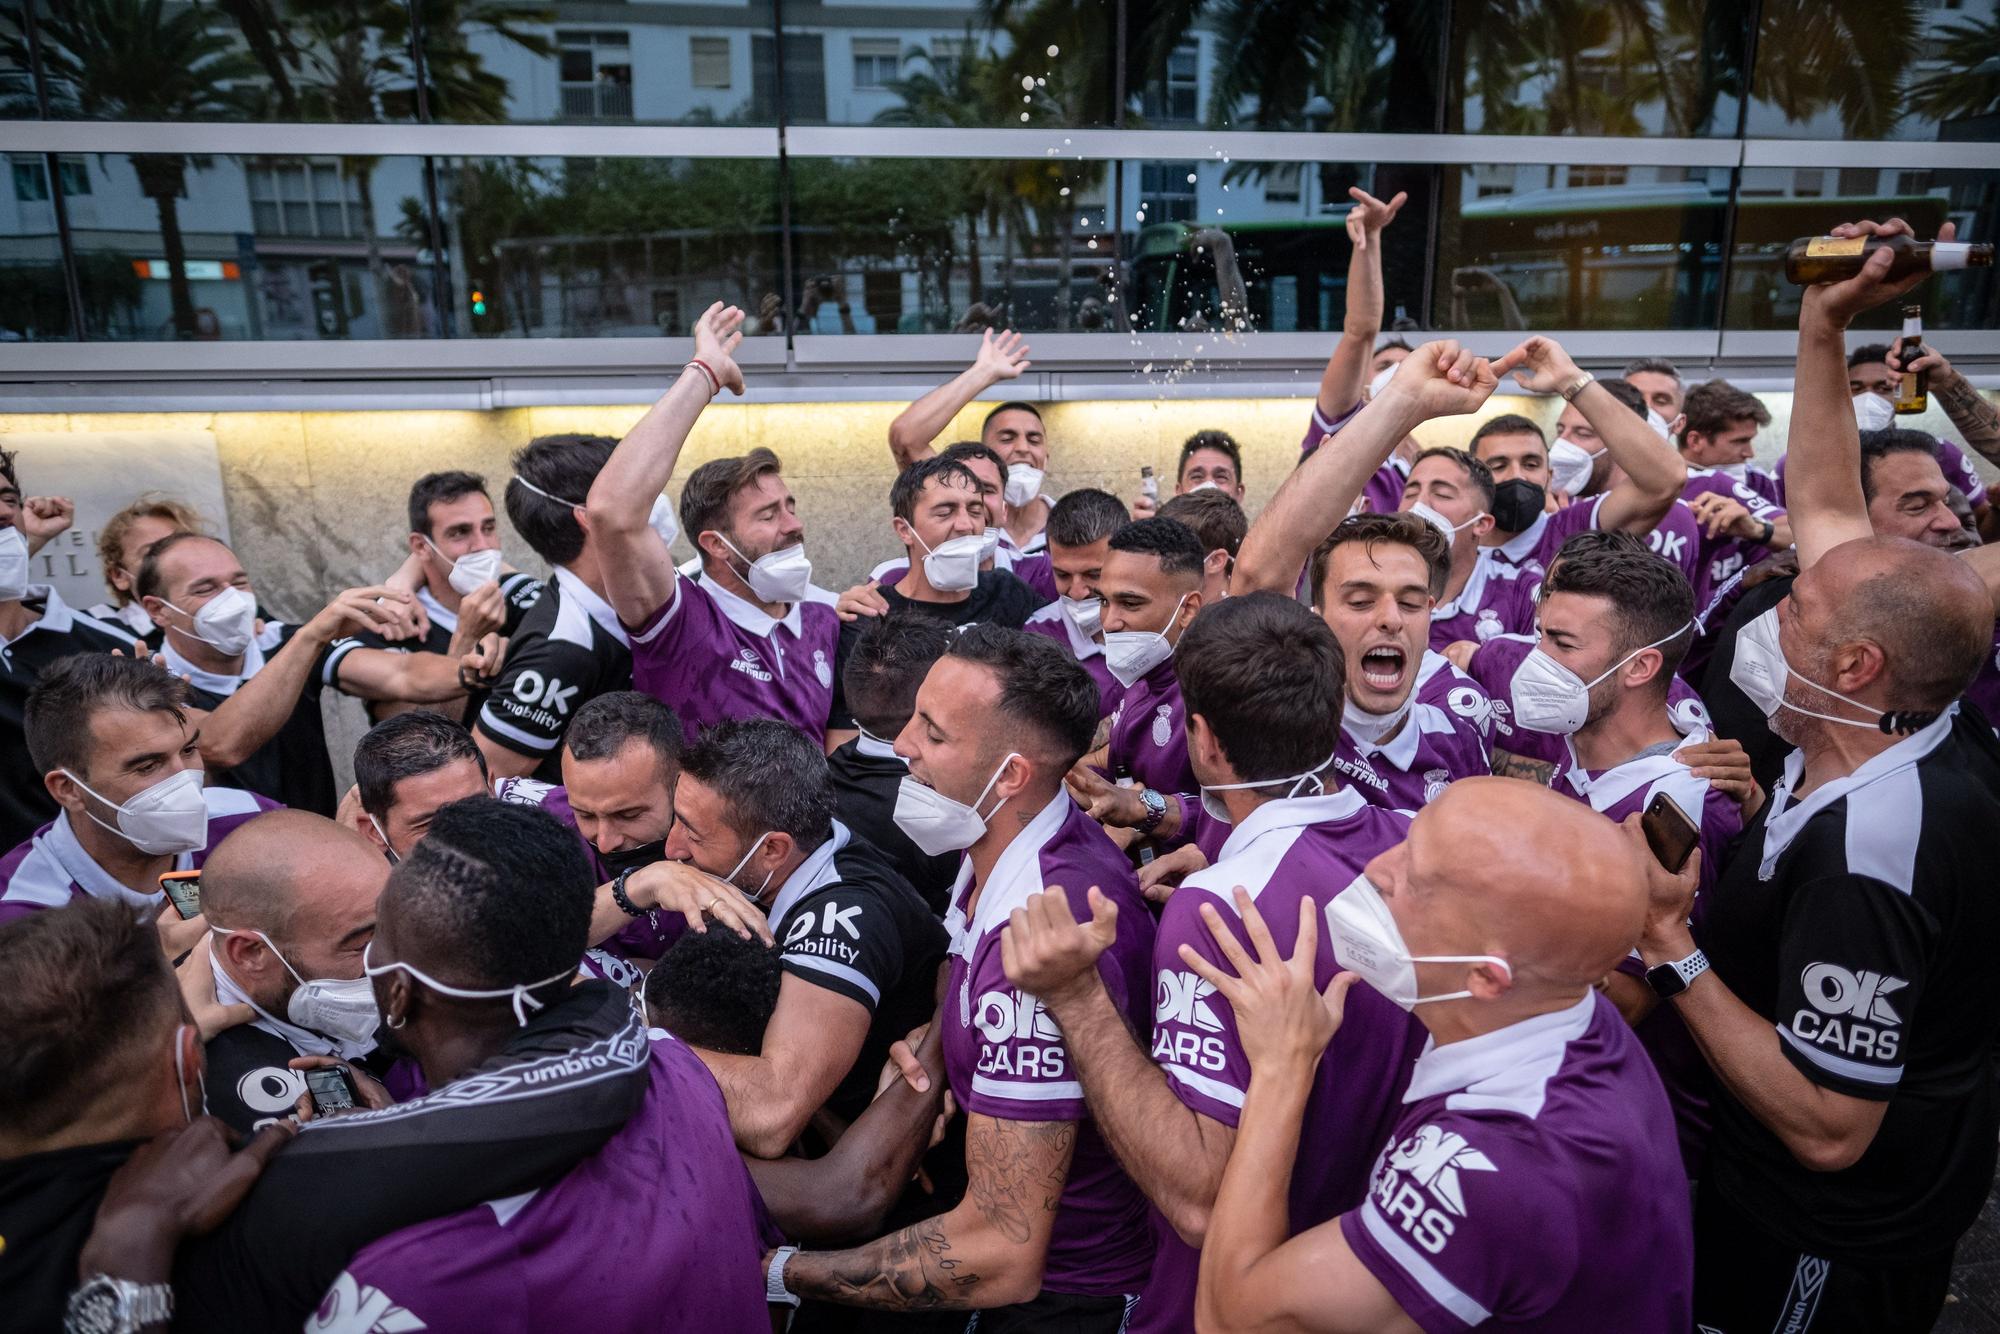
<point>1439,379</point>
<point>1823,495</point>
<point>1346,371</point>
<point>1654,473</point>
<point>809,1046</point>
<point>638,569</point>
<point>1001,357</point>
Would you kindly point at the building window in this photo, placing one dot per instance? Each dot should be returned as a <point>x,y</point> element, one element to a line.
<point>1282,185</point>
<point>1166,192</point>
<point>31,178</point>
<point>1859,182</point>
<point>947,53</point>
<point>1177,97</point>
<point>1809,182</point>
<point>708,62</point>
<point>877,61</point>
<point>303,198</point>
<point>1580,177</point>
<point>596,70</point>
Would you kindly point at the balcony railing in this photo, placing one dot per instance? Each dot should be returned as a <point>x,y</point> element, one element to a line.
<point>602,100</point>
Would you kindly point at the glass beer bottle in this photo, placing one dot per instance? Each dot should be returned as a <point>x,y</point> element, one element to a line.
<point>1832,259</point>
<point>1913,392</point>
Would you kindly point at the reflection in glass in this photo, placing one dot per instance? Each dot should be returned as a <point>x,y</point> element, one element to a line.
<point>1887,69</point>
<point>611,247</point>
<point>1540,247</point>
<point>1045,64</point>
<point>33,302</point>
<point>1773,211</point>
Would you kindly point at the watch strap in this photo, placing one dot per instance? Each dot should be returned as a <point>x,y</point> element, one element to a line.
<point>775,1291</point>
<point>1577,386</point>
<point>1156,810</point>
<point>1676,975</point>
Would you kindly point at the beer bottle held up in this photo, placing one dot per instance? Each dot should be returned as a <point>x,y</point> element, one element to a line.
<point>1149,485</point>
<point>1831,259</point>
<point>1913,393</point>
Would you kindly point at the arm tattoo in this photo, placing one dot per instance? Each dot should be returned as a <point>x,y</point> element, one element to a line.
<point>1013,1172</point>
<point>1977,420</point>
<point>1506,764</point>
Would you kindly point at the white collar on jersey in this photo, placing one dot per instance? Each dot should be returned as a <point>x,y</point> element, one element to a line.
<point>1017,873</point>
<point>574,595</point>
<point>1507,1069</point>
<point>1782,825</point>
<point>867,743</point>
<point>1483,566</point>
<point>60,842</point>
<point>221,683</point>
<point>1292,812</point>
<point>809,875</point>
<point>1081,646</point>
<point>1622,780</point>
<point>747,616</point>
<point>443,617</point>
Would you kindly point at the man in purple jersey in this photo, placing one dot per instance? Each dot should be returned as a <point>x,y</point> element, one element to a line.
<point>1648,477</point>
<point>1079,533</point>
<point>1739,526</point>
<point>1530,1181</point>
<point>1219,522</point>
<point>1659,384</point>
<point>995,551</point>
<point>1151,589</point>
<point>1262,678</point>
<point>1051,1234</point>
<point>1877,369</point>
<point>1482,597</point>
<point>750,637</point>
<point>116,749</point>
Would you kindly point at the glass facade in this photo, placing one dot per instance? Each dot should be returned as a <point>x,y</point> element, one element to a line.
<point>929,167</point>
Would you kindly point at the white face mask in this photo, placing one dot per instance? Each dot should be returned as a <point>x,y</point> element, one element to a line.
<point>989,546</point>
<point>520,995</point>
<point>744,860</point>
<point>783,575</point>
<point>1024,484</point>
<point>472,571</point>
<point>1380,380</point>
<point>1442,524</point>
<point>1370,727</point>
<point>661,520</point>
<point>936,823</point>
<point>226,622</point>
<point>13,565</point>
<point>340,1009</point>
<point>953,567</point>
<point>165,820</point>
<point>1549,697</point>
<point>1202,486</point>
<point>1570,466</point>
<point>1760,670</point>
<point>1086,614</point>
<point>1367,942</point>
<point>1661,426</point>
<point>1130,654</point>
<point>1216,810</point>
<point>1872,412</point>
<point>180,1075</point>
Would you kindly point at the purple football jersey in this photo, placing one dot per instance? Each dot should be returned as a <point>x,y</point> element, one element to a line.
<point>1957,469</point>
<point>51,868</point>
<point>1054,623</point>
<point>1149,733</point>
<point>1984,692</point>
<point>1677,537</point>
<point>1498,599</point>
<point>1286,850</point>
<point>1004,1055</point>
<point>1532,1183</point>
<point>1721,557</point>
<point>1444,737</point>
<point>711,657</point>
<point>657,1230</point>
<point>1493,666</point>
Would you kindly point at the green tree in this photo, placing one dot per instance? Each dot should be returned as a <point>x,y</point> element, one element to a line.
<point>136,60</point>
<point>1968,84</point>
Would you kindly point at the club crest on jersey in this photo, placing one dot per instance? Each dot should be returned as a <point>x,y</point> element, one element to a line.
<point>1487,625</point>
<point>1418,1187</point>
<point>1434,783</point>
<point>747,662</point>
<point>1163,726</point>
<point>822,669</point>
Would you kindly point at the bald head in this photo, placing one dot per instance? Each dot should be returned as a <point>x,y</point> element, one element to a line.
<point>283,867</point>
<point>1498,866</point>
<point>1927,610</point>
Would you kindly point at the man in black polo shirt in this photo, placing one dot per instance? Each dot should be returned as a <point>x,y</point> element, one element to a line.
<point>890,660</point>
<point>569,648</point>
<point>1842,993</point>
<point>860,949</point>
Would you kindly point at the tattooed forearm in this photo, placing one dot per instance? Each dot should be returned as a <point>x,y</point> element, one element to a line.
<point>1506,764</point>
<point>911,1270</point>
<point>1014,1168</point>
<point>1976,419</point>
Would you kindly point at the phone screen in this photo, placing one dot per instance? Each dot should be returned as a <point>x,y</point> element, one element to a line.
<point>1669,832</point>
<point>183,889</point>
<point>330,1090</point>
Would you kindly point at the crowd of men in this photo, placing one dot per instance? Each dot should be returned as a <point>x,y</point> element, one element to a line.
<point>1527,883</point>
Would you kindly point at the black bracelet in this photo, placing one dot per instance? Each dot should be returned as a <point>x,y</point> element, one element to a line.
<point>619,897</point>
<point>1770,531</point>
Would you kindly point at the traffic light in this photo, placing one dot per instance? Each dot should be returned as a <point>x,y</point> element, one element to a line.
<point>478,302</point>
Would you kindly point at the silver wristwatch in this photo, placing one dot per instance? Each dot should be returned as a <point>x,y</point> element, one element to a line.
<point>107,1305</point>
<point>774,1278</point>
<point>1582,382</point>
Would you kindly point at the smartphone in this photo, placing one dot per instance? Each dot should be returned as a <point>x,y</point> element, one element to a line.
<point>1669,832</point>
<point>330,1090</point>
<point>183,890</point>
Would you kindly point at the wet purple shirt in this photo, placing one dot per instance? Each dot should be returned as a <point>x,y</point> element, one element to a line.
<point>1149,733</point>
<point>1004,1055</point>
<point>657,1230</point>
<point>711,656</point>
<point>1444,737</point>
<point>1721,557</point>
<point>1493,665</point>
<point>1532,1183</point>
<point>1286,850</point>
<point>1498,599</point>
<point>1054,623</point>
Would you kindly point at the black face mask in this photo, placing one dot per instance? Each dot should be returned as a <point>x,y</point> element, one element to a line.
<point>631,859</point>
<point>1517,503</point>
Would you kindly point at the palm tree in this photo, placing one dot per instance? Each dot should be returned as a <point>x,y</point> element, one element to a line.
<point>1969,83</point>
<point>133,60</point>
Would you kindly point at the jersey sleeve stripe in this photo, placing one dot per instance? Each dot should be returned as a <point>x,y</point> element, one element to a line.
<point>661,618</point>
<point>1435,1285</point>
<point>1023,1091</point>
<point>527,741</point>
<point>1213,1088</point>
<point>852,977</point>
<point>1840,1065</point>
